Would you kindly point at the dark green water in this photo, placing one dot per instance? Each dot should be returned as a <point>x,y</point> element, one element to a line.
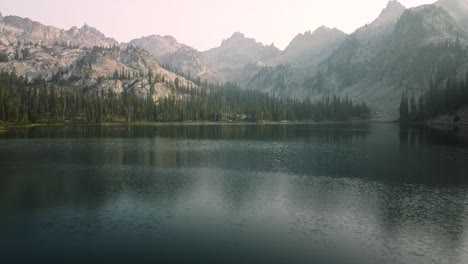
<point>331,193</point>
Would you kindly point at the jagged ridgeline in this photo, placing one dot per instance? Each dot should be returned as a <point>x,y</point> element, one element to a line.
<point>68,79</point>
<point>402,50</point>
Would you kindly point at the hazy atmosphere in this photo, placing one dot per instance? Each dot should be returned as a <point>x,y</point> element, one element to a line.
<point>203,23</point>
<point>175,132</point>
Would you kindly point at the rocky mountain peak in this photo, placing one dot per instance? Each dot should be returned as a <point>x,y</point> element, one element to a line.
<point>238,41</point>
<point>322,29</point>
<point>88,29</point>
<point>89,36</point>
<point>461,4</point>
<point>326,31</point>
<point>229,59</point>
<point>458,9</point>
<point>168,51</point>
<point>320,33</point>
<point>382,26</point>
<point>391,12</point>
<point>170,39</point>
<point>85,29</point>
<point>27,30</point>
<point>394,5</point>
<point>427,24</point>
<point>158,46</point>
<point>238,35</point>
<point>310,48</point>
<point>238,38</point>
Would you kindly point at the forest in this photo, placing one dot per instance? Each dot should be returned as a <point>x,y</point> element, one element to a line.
<point>446,91</point>
<point>40,101</point>
<point>445,98</point>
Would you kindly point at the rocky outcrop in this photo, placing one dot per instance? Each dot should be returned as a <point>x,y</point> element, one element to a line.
<point>458,9</point>
<point>181,57</point>
<point>81,58</point>
<point>309,49</point>
<point>235,53</point>
<point>25,30</point>
<point>288,74</point>
<point>159,46</point>
<point>399,51</point>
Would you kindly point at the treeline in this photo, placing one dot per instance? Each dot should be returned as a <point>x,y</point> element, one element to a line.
<point>46,102</point>
<point>229,102</point>
<point>445,98</point>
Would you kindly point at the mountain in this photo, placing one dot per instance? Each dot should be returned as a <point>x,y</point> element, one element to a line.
<point>352,58</point>
<point>349,70</point>
<point>418,36</point>
<point>81,58</point>
<point>288,74</point>
<point>235,53</point>
<point>296,71</point>
<point>458,9</point>
<point>93,69</point>
<point>402,50</point>
<point>98,68</point>
<point>309,49</point>
<point>158,46</point>
<point>391,55</point>
<point>181,57</point>
<point>15,29</point>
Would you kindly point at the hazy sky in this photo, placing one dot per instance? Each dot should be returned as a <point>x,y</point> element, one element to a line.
<point>203,24</point>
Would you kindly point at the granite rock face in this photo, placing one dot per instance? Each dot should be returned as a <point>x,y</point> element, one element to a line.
<point>15,29</point>
<point>237,52</point>
<point>184,59</point>
<point>81,58</point>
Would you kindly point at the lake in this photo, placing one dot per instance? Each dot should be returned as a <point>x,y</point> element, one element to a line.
<point>285,193</point>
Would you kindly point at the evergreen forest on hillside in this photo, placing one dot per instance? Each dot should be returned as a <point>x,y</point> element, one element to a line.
<point>445,98</point>
<point>40,101</point>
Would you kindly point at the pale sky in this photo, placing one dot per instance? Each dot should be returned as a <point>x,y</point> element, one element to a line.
<point>202,24</point>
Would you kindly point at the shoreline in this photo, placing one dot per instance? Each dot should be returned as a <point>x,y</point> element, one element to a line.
<point>5,127</point>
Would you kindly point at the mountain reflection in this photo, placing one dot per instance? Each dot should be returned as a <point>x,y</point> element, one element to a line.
<point>335,133</point>
<point>297,189</point>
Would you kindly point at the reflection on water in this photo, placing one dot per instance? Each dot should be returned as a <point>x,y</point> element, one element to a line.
<point>363,193</point>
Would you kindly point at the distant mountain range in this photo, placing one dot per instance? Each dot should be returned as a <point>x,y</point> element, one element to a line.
<point>81,57</point>
<point>401,50</point>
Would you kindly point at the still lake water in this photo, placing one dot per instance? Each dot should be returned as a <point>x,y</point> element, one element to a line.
<point>325,193</point>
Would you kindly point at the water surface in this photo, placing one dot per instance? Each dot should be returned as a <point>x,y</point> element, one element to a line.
<point>320,193</point>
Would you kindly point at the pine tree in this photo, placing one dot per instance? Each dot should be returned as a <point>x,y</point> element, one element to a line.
<point>404,110</point>
<point>413,108</point>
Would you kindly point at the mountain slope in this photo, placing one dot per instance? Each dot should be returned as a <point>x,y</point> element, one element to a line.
<point>15,29</point>
<point>309,49</point>
<point>422,44</point>
<point>288,74</point>
<point>235,53</point>
<point>183,58</point>
<point>82,59</point>
<point>458,9</point>
<point>299,76</point>
<point>352,60</point>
